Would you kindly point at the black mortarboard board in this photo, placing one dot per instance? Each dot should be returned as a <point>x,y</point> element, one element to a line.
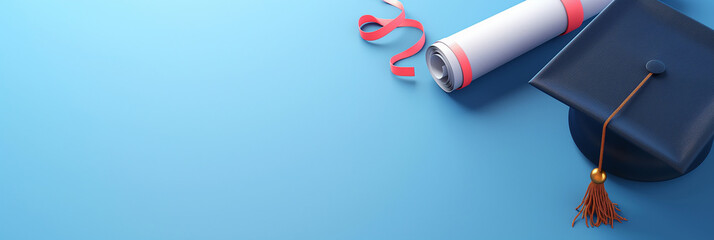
<point>666,129</point>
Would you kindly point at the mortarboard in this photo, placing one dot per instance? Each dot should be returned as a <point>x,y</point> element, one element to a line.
<point>639,80</point>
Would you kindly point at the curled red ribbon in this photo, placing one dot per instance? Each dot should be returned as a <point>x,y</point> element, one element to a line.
<point>387,26</point>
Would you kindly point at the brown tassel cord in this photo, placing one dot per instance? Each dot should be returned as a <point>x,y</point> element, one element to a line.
<point>596,205</point>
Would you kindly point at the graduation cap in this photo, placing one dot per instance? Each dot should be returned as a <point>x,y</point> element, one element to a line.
<point>639,80</point>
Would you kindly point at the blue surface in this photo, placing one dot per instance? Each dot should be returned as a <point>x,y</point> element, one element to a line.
<point>274,120</point>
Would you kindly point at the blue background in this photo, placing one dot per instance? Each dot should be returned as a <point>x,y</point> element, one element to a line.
<point>274,120</point>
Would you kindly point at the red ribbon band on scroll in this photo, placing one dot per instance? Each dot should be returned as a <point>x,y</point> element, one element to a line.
<point>575,12</point>
<point>387,26</point>
<point>464,63</point>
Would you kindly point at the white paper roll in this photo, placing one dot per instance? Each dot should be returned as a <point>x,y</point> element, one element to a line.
<point>501,38</point>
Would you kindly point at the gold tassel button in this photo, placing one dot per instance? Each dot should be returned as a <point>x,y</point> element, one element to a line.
<point>598,176</point>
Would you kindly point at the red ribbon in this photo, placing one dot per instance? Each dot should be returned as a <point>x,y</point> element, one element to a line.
<point>464,63</point>
<point>387,26</point>
<point>574,11</point>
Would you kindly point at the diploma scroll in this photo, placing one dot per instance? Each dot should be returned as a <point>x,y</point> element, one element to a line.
<point>467,55</point>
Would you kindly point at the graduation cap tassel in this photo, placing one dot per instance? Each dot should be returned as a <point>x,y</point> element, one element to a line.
<point>596,205</point>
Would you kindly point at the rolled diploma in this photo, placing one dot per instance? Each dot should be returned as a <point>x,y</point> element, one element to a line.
<point>501,38</point>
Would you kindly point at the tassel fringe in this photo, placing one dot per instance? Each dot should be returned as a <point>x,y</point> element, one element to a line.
<point>597,207</point>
